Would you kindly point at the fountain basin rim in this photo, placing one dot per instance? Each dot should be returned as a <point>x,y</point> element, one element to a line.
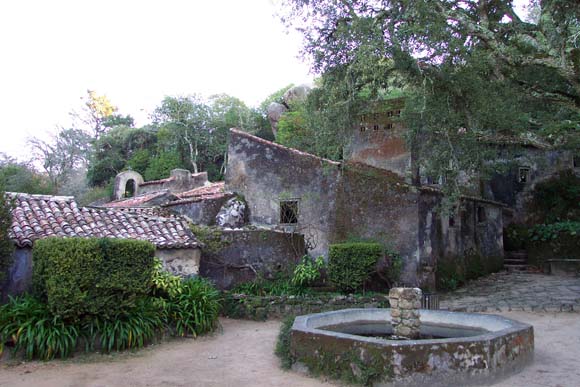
<point>495,325</point>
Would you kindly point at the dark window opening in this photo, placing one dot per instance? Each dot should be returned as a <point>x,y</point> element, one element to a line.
<point>576,161</point>
<point>451,220</point>
<point>363,128</point>
<point>130,189</point>
<point>389,114</point>
<point>289,211</point>
<point>523,175</point>
<point>375,127</point>
<point>481,215</point>
<point>388,126</point>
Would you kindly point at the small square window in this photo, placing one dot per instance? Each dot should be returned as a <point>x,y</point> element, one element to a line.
<point>375,127</point>
<point>362,128</point>
<point>388,126</point>
<point>288,211</point>
<point>523,175</point>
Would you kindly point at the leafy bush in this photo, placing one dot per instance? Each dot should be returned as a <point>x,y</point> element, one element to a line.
<point>194,309</point>
<point>551,232</point>
<point>350,264</point>
<point>280,285</point>
<point>515,237</point>
<point>165,284</point>
<point>132,329</point>
<point>283,344</point>
<point>28,325</point>
<point>6,245</point>
<point>307,271</point>
<point>556,199</point>
<point>100,277</point>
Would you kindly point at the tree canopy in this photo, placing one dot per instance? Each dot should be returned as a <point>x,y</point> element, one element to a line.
<point>467,68</point>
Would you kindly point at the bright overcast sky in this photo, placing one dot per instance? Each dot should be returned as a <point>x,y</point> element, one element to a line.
<point>135,53</point>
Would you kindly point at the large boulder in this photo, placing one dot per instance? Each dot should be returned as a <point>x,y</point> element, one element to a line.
<point>296,94</point>
<point>232,214</point>
<point>275,111</point>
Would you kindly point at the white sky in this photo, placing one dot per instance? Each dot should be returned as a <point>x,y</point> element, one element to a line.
<point>135,53</point>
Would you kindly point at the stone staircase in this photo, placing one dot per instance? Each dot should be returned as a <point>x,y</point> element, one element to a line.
<point>516,261</point>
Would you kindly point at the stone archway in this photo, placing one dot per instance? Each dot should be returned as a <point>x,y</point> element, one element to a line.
<point>121,182</point>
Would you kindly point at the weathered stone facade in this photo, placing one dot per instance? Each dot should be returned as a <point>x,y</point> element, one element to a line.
<point>334,202</point>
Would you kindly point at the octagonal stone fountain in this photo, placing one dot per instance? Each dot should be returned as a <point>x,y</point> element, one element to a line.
<point>389,347</point>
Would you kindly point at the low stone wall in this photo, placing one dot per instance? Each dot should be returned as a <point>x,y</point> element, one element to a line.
<point>199,211</point>
<point>277,307</point>
<point>232,257</point>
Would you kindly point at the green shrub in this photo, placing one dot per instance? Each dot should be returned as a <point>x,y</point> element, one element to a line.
<point>515,237</point>
<point>280,285</point>
<point>28,325</point>
<point>351,264</point>
<point>165,284</point>
<point>193,310</point>
<point>307,271</point>
<point>554,241</point>
<point>283,344</point>
<point>99,277</point>
<point>6,245</point>
<point>132,329</point>
<point>556,199</point>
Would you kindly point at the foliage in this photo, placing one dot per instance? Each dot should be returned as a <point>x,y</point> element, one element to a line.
<point>165,284</point>
<point>131,329</point>
<point>6,245</point>
<point>100,277</point>
<point>28,325</point>
<point>557,199</point>
<point>308,271</point>
<point>351,264</point>
<point>210,237</point>
<point>515,237</point>
<point>453,272</point>
<point>194,309</point>
<point>552,231</point>
<point>469,70</point>
<point>22,177</point>
<point>67,152</point>
<point>283,344</point>
<point>280,285</point>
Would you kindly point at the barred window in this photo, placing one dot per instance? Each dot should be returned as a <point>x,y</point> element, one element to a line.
<point>288,211</point>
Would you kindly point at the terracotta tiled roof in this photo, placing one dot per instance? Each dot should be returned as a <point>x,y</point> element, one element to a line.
<point>212,189</point>
<point>160,181</point>
<point>137,201</point>
<point>166,180</point>
<point>37,217</point>
<point>208,192</point>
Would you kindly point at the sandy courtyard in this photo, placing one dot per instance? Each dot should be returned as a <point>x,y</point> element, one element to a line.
<point>242,355</point>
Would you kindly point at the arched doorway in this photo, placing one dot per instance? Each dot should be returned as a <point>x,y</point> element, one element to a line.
<point>130,188</point>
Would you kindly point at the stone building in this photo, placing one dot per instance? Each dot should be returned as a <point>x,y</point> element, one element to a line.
<point>329,202</point>
<point>37,217</point>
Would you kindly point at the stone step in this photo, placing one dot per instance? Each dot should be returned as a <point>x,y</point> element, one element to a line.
<point>511,268</point>
<point>515,261</point>
<point>517,254</point>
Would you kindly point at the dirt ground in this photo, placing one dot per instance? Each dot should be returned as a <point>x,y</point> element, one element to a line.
<point>242,355</point>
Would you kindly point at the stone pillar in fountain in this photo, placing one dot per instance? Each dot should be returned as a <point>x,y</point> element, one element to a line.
<point>405,305</point>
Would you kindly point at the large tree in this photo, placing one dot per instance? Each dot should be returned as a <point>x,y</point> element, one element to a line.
<point>469,69</point>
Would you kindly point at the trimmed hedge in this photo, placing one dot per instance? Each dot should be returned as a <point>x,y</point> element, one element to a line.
<point>92,276</point>
<point>351,264</point>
